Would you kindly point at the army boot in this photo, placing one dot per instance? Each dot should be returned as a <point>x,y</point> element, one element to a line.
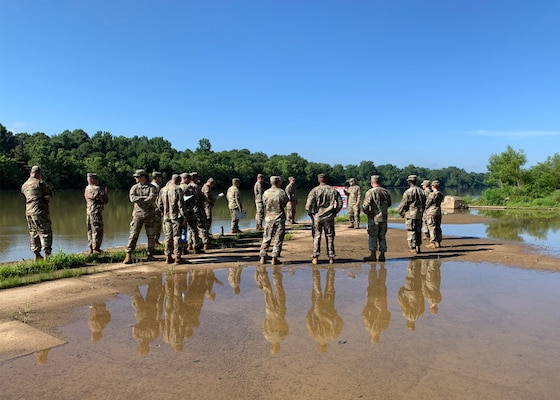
<point>151,257</point>
<point>38,257</point>
<point>382,256</point>
<point>168,259</point>
<point>371,257</point>
<point>179,260</point>
<point>128,258</point>
<point>275,261</point>
<point>331,260</point>
<point>263,260</point>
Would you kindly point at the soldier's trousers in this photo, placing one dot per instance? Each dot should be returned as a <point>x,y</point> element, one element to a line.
<point>158,224</point>
<point>172,230</point>
<point>259,214</point>
<point>291,212</point>
<point>234,220</point>
<point>413,232</point>
<point>40,233</point>
<point>273,233</point>
<point>208,213</point>
<point>193,238</point>
<point>326,226</point>
<point>434,227</point>
<point>377,232</point>
<point>94,223</point>
<point>354,215</point>
<point>135,228</point>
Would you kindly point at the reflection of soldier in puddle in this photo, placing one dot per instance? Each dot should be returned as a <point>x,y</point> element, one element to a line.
<point>41,356</point>
<point>376,314</point>
<point>275,325</point>
<point>147,313</point>
<point>410,295</point>
<point>172,330</point>
<point>98,319</point>
<point>432,279</point>
<point>234,279</point>
<point>323,322</point>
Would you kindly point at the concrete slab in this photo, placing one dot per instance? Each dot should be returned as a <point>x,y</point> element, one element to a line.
<point>19,339</point>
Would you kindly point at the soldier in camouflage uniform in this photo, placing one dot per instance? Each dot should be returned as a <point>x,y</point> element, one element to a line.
<point>376,204</point>
<point>412,209</point>
<point>37,198</point>
<point>292,200</point>
<point>354,196</point>
<point>198,236</point>
<point>234,204</point>
<point>96,198</point>
<point>323,203</point>
<point>275,200</point>
<point>143,194</point>
<point>433,215</point>
<point>258,190</point>
<point>170,202</point>
<point>427,190</point>
<point>209,201</point>
<point>157,177</point>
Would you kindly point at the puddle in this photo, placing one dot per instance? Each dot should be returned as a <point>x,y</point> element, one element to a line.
<point>417,329</point>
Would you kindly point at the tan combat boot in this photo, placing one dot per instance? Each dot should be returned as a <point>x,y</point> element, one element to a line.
<point>263,260</point>
<point>275,261</point>
<point>128,258</point>
<point>168,259</point>
<point>179,260</point>
<point>314,261</point>
<point>331,260</point>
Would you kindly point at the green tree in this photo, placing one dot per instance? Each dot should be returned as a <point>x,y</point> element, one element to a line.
<point>505,168</point>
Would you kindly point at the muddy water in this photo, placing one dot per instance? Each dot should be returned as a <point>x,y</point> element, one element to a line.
<point>415,329</point>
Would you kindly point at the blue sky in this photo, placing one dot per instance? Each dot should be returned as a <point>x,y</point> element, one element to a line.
<point>433,83</point>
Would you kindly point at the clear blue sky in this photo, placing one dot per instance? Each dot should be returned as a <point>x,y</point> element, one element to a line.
<point>434,83</point>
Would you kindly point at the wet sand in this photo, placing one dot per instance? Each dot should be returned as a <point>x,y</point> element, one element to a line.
<point>465,351</point>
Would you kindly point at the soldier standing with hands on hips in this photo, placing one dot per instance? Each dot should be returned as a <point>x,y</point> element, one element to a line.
<point>96,198</point>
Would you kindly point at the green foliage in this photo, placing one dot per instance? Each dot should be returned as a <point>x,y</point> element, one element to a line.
<point>66,158</point>
<point>505,168</point>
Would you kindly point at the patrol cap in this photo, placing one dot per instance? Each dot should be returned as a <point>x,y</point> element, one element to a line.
<point>291,178</point>
<point>352,180</point>
<point>275,179</point>
<point>435,183</point>
<point>194,174</point>
<point>155,174</point>
<point>321,176</point>
<point>175,178</point>
<point>234,180</point>
<point>91,175</point>
<point>140,172</point>
<point>185,175</point>
<point>426,182</point>
<point>375,178</point>
<point>260,176</point>
<point>411,178</point>
<point>35,168</point>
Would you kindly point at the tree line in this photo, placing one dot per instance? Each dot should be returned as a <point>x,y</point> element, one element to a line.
<point>66,158</point>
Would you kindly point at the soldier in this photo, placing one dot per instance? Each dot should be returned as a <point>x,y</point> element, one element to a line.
<point>412,208</point>
<point>433,216</point>
<point>354,195</point>
<point>258,190</point>
<point>376,204</point>
<point>199,214</point>
<point>170,202</point>
<point>292,200</point>
<point>234,204</point>
<point>376,314</point>
<point>427,190</point>
<point>410,296</point>
<point>209,202</point>
<point>275,200</point>
<point>157,177</point>
<point>189,200</point>
<point>143,194</point>
<point>323,203</point>
<point>96,198</point>
<point>37,198</point>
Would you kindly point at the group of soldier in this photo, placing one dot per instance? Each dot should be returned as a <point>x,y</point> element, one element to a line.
<point>183,202</point>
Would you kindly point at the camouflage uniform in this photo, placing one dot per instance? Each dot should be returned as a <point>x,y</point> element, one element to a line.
<point>197,222</point>
<point>376,314</point>
<point>376,204</point>
<point>292,200</point>
<point>37,196</point>
<point>354,194</point>
<point>96,198</point>
<point>258,190</point>
<point>323,203</point>
<point>144,198</point>
<point>432,216</point>
<point>234,205</point>
<point>275,200</point>
<point>209,201</point>
<point>410,296</point>
<point>157,214</point>
<point>170,202</point>
<point>427,190</point>
<point>412,208</point>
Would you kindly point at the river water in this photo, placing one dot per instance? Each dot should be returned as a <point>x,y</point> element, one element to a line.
<point>69,226</point>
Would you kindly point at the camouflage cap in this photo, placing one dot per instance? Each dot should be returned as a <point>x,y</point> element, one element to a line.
<point>140,172</point>
<point>274,179</point>
<point>91,175</point>
<point>411,178</point>
<point>435,183</point>
<point>321,176</point>
<point>194,174</point>
<point>260,176</point>
<point>425,182</point>
<point>375,178</point>
<point>352,180</point>
<point>185,175</point>
<point>235,180</point>
<point>35,168</point>
<point>291,178</point>
<point>156,174</point>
